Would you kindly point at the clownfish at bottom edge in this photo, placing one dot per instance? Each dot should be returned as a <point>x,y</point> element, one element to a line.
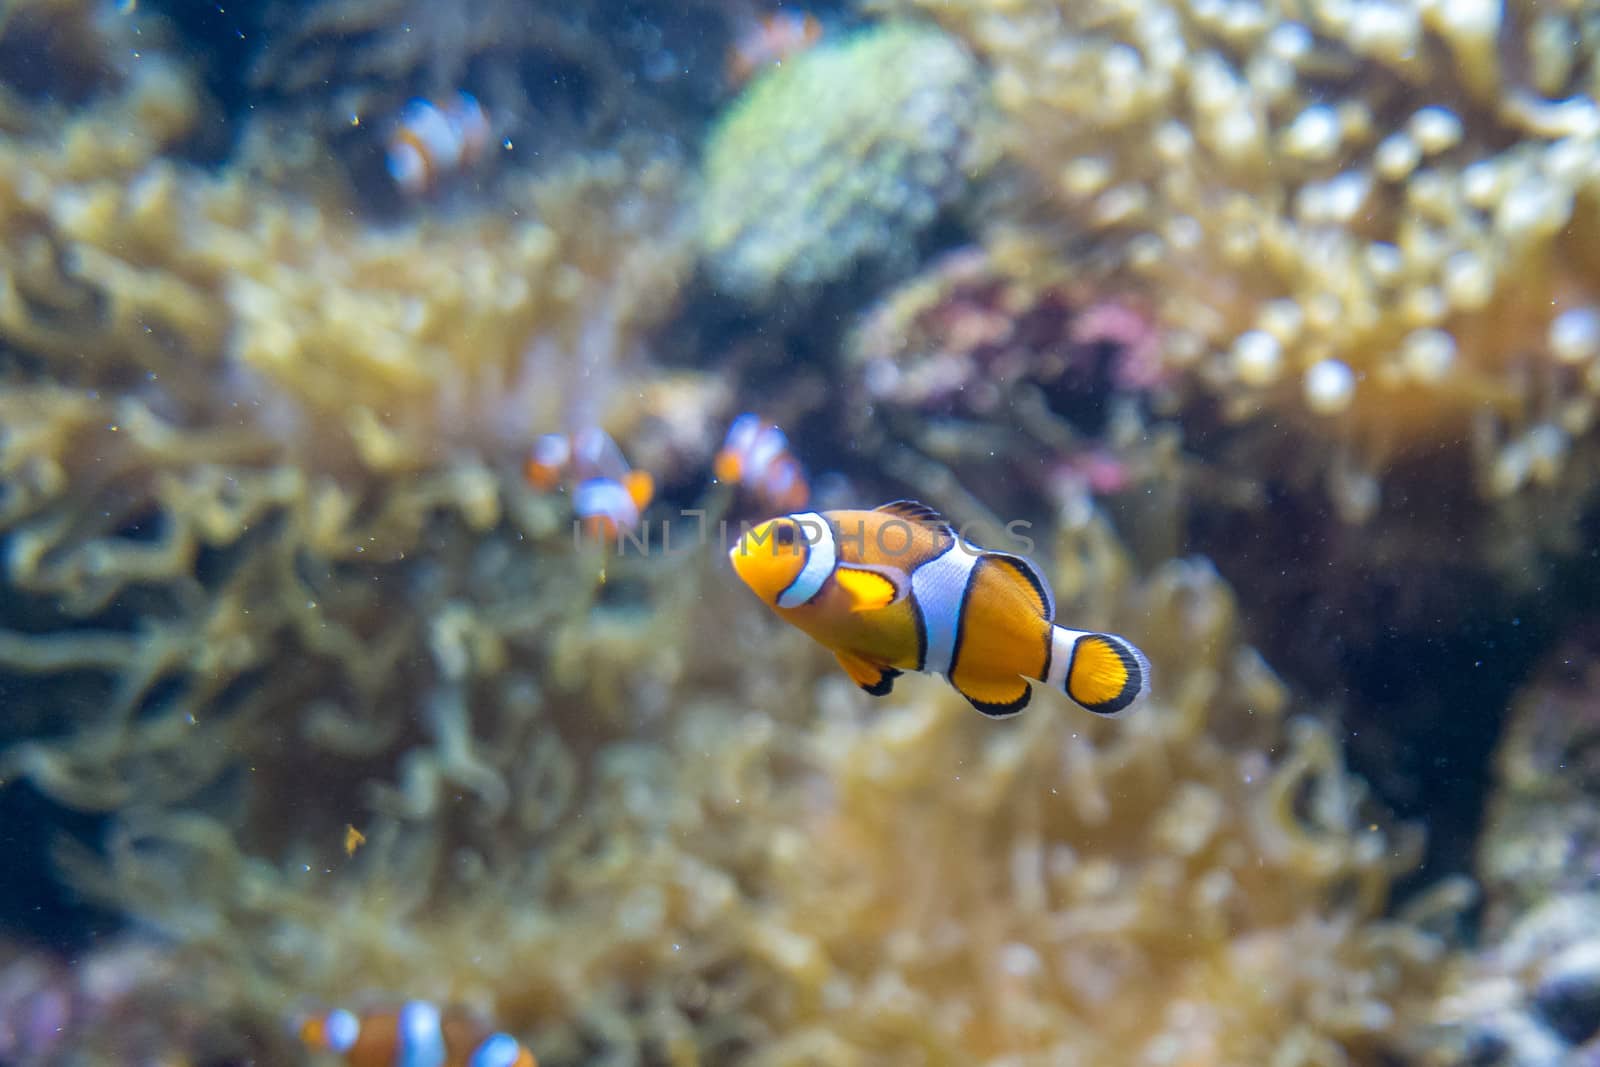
<point>417,1035</point>
<point>895,589</point>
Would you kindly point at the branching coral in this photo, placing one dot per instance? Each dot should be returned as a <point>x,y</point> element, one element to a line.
<point>1171,892</point>
<point>1371,221</point>
<point>272,584</point>
<point>385,347</point>
<point>229,417</point>
<point>840,157</point>
<point>767,876</point>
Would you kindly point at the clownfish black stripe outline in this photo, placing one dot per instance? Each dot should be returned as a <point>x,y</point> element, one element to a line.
<point>885,683</point>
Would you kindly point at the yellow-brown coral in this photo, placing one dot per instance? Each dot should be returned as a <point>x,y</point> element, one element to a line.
<point>226,411</point>
<point>777,874</point>
<point>1372,220</point>
<point>272,584</point>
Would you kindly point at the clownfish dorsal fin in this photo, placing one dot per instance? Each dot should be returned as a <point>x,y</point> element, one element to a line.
<point>914,511</point>
<point>870,588</point>
<point>1025,572</point>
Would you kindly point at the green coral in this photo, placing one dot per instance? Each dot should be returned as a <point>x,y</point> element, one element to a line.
<point>841,155</point>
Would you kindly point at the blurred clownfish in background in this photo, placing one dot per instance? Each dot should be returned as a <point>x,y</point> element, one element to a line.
<point>755,456</point>
<point>608,496</point>
<point>770,39</point>
<point>417,1035</point>
<point>429,142</point>
<point>896,589</point>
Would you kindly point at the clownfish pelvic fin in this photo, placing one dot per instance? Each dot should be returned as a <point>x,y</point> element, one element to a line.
<point>871,677</point>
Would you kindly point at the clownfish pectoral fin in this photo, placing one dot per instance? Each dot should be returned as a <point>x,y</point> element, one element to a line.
<point>869,676</point>
<point>995,697</point>
<point>869,589</point>
<point>1106,673</point>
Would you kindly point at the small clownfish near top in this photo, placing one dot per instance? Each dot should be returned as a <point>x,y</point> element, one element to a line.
<point>896,589</point>
<point>417,1035</point>
<point>608,496</point>
<point>770,39</point>
<point>755,456</point>
<point>429,142</point>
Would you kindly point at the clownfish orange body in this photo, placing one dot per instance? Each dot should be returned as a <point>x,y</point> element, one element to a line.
<point>416,1035</point>
<point>896,589</point>
<point>770,39</point>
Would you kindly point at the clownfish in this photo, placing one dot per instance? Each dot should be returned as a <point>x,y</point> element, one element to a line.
<point>770,39</point>
<point>417,1035</point>
<point>755,456</point>
<point>608,496</point>
<point>608,508</point>
<point>896,589</point>
<point>429,141</point>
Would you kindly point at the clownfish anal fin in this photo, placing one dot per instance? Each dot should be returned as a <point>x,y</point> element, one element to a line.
<point>868,590</point>
<point>913,511</point>
<point>1026,574</point>
<point>869,676</point>
<point>997,698</point>
<point>1107,673</point>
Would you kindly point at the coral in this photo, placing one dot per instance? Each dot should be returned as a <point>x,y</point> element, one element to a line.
<point>230,417</point>
<point>759,872</point>
<point>362,721</point>
<point>309,91</point>
<point>120,1004</point>
<point>1372,224</point>
<point>839,157</point>
<point>1542,830</point>
<point>1026,382</point>
<point>383,348</point>
<point>1529,995</point>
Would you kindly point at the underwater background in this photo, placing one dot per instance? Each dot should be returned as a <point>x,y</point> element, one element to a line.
<point>329,679</point>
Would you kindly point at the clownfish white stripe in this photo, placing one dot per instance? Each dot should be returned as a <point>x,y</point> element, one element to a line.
<point>938,586</point>
<point>1062,641</point>
<point>822,556</point>
<point>605,497</point>
<point>430,127</point>
<point>498,1050</point>
<point>421,1036</point>
<point>767,448</point>
<point>343,1029</point>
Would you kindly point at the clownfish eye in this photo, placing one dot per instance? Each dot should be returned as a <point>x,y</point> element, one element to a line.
<point>785,535</point>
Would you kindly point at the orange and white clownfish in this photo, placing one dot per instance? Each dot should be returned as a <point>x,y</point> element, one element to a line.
<point>770,39</point>
<point>896,589</point>
<point>756,457</point>
<point>608,496</point>
<point>417,1035</point>
<point>429,142</point>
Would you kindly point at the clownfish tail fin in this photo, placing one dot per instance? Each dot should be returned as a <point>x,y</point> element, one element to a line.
<point>1102,673</point>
